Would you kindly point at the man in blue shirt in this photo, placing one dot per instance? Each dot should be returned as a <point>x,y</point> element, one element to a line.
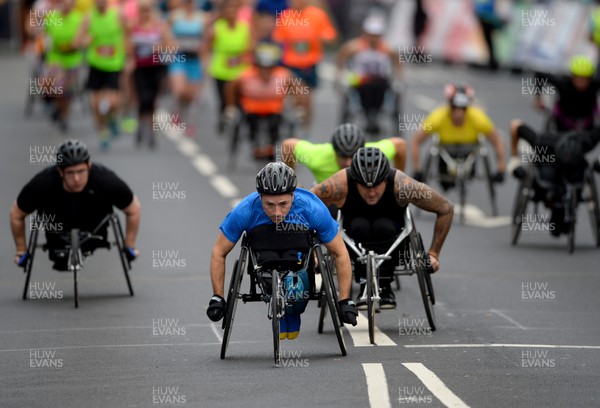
<point>277,201</point>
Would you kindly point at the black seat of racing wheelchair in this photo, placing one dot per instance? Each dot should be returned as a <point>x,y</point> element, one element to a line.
<point>279,247</point>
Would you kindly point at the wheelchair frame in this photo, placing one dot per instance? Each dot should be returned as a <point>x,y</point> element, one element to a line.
<point>419,264</point>
<point>75,254</point>
<point>246,263</point>
<point>462,168</point>
<point>526,193</point>
<point>352,108</point>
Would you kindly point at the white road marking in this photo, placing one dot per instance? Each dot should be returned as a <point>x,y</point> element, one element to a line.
<point>424,103</point>
<point>510,319</point>
<point>326,71</point>
<point>360,334</point>
<point>128,345</point>
<point>485,345</point>
<point>435,385</point>
<point>474,216</point>
<point>204,165</point>
<point>188,147</point>
<point>379,396</point>
<point>93,328</point>
<point>225,187</point>
<point>216,332</point>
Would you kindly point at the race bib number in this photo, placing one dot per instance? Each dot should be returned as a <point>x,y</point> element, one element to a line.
<point>233,62</point>
<point>143,51</point>
<point>105,50</point>
<point>301,47</point>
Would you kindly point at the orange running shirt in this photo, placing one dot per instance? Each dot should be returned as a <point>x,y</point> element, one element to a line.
<point>301,32</point>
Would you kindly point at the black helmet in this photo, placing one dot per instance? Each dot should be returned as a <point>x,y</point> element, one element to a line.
<point>276,178</point>
<point>369,166</point>
<point>72,152</point>
<point>347,139</point>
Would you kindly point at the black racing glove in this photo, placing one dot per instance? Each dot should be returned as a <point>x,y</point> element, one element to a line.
<point>498,177</point>
<point>419,176</point>
<point>519,172</point>
<point>130,253</point>
<point>597,165</point>
<point>348,311</point>
<point>216,308</point>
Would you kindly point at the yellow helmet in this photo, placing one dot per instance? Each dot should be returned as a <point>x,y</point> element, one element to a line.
<point>582,66</point>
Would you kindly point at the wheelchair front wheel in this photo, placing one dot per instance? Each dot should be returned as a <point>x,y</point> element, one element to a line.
<point>74,261</point>
<point>422,267</point>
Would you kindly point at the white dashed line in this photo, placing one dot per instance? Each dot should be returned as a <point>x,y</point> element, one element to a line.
<point>204,165</point>
<point>360,334</point>
<point>435,385</point>
<point>216,332</point>
<point>225,187</point>
<point>379,396</point>
<point>510,319</point>
<point>187,147</point>
<point>498,345</point>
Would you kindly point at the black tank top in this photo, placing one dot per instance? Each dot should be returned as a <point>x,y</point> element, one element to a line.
<point>386,207</point>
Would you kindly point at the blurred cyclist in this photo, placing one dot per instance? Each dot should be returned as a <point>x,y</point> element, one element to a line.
<point>260,92</point>
<point>576,105</point>
<point>374,67</point>
<point>457,124</point>
<point>73,194</point>
<point>325,159</point>
<point>373,199</point>
<point>276,201</point>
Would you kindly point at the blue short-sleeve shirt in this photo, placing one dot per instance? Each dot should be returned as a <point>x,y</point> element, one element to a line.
<point>307,210</point>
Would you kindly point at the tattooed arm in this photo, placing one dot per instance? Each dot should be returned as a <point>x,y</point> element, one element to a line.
<point>333,190</point>
<point>410,191</point>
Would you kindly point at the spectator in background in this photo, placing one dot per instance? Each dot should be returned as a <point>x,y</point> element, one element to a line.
<point>485,10</point>
<point>419,22</point>
<point>595,29</point>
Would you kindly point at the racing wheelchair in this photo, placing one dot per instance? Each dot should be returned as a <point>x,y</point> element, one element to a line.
<point>267,256</point>
<point>353,111</point>
<point>533,188</point>
<point>456,165</point>
<point>270,129</point>
<point>77,245</point>
<point>414,260</point>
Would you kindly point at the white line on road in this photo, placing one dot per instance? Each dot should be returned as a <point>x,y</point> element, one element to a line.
<point>128,345</point>
<point>187,147</point>
<point>94,328</point>
<point>204,165</point>
<point>216,332</point>
<point>225,187</point>
<point>476,217</point>
<point>379,396</point>
<point>360,334</point>
<point>484,345</point>
<point>510,319</point>
<point>435,385</point>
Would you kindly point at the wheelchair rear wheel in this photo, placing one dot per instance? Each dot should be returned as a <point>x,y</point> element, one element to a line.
<point>277,312</point>
<point>594,210</point>
<point>519,208</point>
<point>491,186</point>
<point>332,300</point>
<point>371,295</point>
<point>322,302</point>
<point>232,298</point>
<point>423,268</point>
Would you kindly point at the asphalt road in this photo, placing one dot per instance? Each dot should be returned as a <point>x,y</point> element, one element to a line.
<point>517,326</point>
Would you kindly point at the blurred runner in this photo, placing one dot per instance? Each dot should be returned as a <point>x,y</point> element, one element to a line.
<point>104,34</point>
<point>148,40</point>
<point>128,123</point>
<point>302,29</point>
<point>260,91</point>
<point>185,74</point>
<point>64,59</point>
<point>229,40</point>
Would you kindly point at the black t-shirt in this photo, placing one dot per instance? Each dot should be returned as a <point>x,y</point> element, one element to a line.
<point>85,210</point>
<point>572,102</point>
